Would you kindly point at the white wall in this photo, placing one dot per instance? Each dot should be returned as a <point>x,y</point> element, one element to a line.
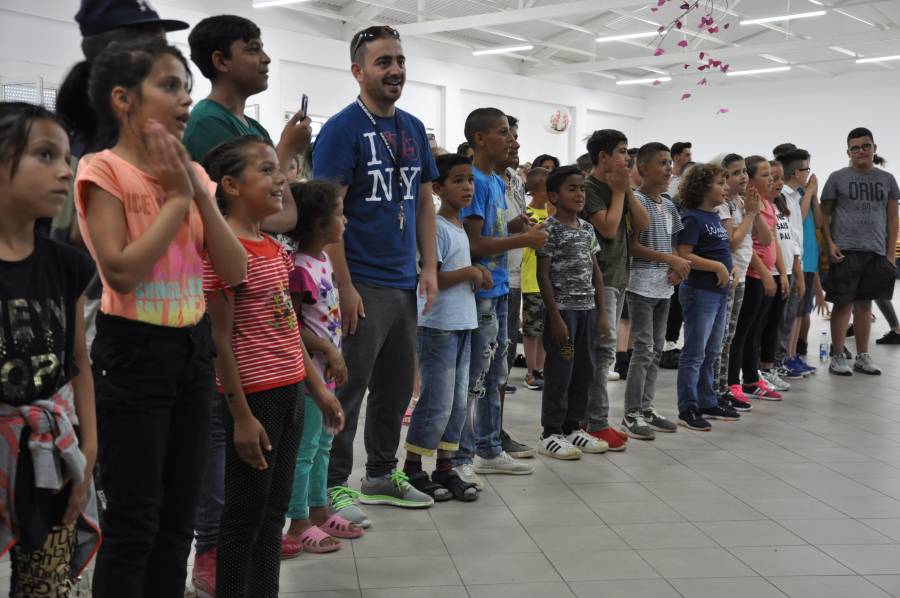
<point>40,39</point>
<point>814,113</point>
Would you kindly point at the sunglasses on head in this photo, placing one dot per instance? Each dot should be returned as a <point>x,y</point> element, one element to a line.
<point>370,34</point>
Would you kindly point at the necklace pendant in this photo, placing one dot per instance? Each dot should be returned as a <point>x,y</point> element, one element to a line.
<point>401,217</point>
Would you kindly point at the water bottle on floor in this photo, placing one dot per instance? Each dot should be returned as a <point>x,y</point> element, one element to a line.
<point>824,346</point>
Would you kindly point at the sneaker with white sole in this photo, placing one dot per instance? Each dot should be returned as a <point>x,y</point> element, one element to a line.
<point>658,422</point>
<point>774,380</point>
<point>515,448</point>
<point>865,365</point>
<point>502,464</point>
<point>558,447</point>
<point>761,390</point>
<point>587,443</point>
<point>839,365</point>
<point>613,376</point>
<point>634,425</point>
<point>466,473</point>
<point>342,501</point>
<point>394,490</point>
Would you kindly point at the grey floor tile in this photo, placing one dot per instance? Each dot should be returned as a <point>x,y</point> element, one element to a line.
<point>661,473</point>
<point>888,583</point>
<point>392,518</point>
<point>513,540</point>
<point>557,589</point>
<point>313,575</point>
<point>576,537</point>
<point>323,594</point>
<point>636,512</point>
<point>630,588</point>
<point>830,586</point>
<point>866,506</point>
<point>794,508</point>
<point>728,471</point>
<point>540,516</point>
<point>519,494</point>
<point>494,569</point>
<point>663,535</point>
<point>472,517</point>
<point>400,543</point>
<point>612,492</point>
<point>600,565</point>
<point>739,587</point>
<point>430,591</point>
<point>407,572</point>
<point>749,533</point>
<point>715,509</point>
<point>868,560</point>
<point>888,527</point>
<point>673,490</point>
<point>838,531</point>
<point>789,560</point>
<point>759,489</point>
<point>680,563</point>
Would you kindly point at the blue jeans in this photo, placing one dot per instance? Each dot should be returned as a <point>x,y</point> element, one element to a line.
<point>704,324</point>
<point>438,419</point>
<point>311,470</point>
<point>212,488</point>
<point>487,371</point>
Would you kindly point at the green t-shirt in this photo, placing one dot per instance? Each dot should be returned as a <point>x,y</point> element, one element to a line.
<point>211,124</point>
<point>614,254</point>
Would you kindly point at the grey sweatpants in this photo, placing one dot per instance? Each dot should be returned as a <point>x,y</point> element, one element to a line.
<point>648,318</point>
<point>605,351</point>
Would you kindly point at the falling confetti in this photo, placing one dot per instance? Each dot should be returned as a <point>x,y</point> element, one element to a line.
<point>683,43</point>
<point>685,96</point>
<point>722,111</point>
<point>702,81</point>
<point>702,54</point>
<point>659,52</point>
<point>657,82</point>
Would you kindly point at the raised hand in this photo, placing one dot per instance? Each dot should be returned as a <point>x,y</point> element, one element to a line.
<point>164,160</point>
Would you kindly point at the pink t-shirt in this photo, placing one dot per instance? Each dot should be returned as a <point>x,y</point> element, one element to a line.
<point>765,252</point>
<point>313,280</point>
<point>172,292</point>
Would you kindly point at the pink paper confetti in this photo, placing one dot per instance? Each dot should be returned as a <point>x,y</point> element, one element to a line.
<point>685,6</point>
<point>702,54</point>
<point>725,68</point>
<point>657,82</point>
<point>661,29</point>
<point>702,81</point>
<point>678,24</point>
<point>660,2</point>
<point>685,96</point>
<point>659,52</point>
<point>653,9</point>
<point>687,66</point>
<point>683,43</point>
<point>723,111</point>
<point>726,25</point>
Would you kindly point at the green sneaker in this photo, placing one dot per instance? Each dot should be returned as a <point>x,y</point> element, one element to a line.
<point>395,490</point>
<point>342,501</point>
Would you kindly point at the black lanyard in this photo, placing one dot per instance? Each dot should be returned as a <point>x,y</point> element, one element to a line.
<point>384,140</point>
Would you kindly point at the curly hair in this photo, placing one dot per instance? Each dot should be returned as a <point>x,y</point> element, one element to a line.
<point>696,183</point>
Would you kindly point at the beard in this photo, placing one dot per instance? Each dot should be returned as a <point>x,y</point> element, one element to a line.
<point>381,90</point>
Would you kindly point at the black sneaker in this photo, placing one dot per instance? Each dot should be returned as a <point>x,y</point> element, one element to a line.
<point>721,411</point>
<point>730,400</point>
<point>514,447</point>
<point>891,338</point>
<point>539,374</point>
<point>509,389</point>
<point>533,383</point>
<point>669,359</point>
<point>519,361</point>
<point>692,420</point>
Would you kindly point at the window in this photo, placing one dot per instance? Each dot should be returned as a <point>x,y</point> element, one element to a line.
<point>28,92</point>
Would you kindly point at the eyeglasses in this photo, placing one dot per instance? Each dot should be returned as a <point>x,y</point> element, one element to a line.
<point>855,149</point>
<point>370,34</point>
<point>804,169</point>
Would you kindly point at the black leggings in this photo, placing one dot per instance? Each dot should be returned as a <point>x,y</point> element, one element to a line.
<point>675,319</point>
<point>771,328</point>
<point>249,547</point>
<point>745,347</point>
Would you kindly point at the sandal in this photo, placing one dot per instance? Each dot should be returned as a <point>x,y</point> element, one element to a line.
<point>421,482</point>
<point>313,541</point>
<point>460,490</point>
<point>290,547</point>
<point>338,527</point>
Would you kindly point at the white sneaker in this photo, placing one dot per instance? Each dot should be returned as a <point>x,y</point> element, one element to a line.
<point>865,365</point>
<point>502,464</point>
<point>559,447</point>
<point>669,346</point>
<point>613,375</point>
<point>775,381</point>
<point>587,443</point>
<point>466,473</point>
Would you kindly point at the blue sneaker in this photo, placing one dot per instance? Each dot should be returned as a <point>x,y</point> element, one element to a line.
<point>798,361</point>
<point>795,365</point>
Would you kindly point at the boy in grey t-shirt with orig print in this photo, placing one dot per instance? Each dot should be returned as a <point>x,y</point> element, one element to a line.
<point>859,204</point>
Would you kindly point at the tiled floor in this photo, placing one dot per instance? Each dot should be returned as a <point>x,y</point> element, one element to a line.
<point>800,499</point>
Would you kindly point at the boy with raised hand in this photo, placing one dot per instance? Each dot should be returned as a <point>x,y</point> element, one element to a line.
<point>572,289</point>
<point>655,269</point>
<point>615,213</point>
<point>487,129</point>
<point>228,50</point>
<point>859,208</point>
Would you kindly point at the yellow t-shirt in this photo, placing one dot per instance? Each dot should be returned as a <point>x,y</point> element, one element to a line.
<point>529,259</point>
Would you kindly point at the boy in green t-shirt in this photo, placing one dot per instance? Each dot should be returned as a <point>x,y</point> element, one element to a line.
<point>532,304</point>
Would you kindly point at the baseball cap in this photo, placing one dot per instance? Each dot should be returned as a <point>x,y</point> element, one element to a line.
<point>98,16</point>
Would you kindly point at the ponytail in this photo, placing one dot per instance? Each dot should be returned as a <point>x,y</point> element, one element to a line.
<point>73,105</point>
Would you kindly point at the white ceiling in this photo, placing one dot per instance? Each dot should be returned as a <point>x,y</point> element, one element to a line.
<point>563,33</point>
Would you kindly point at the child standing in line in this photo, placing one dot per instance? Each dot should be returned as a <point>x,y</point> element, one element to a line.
<point>704,295</point>
<point>51,531</point>
<point>147,216</point>
<point>572,289</point>
<point>317,304</point>
<point>654,270</point>
<point>532,304</point>
<point>445,342</point>
<point>260,370</point>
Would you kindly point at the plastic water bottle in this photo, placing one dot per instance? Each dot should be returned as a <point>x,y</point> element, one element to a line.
<point>824,346</point>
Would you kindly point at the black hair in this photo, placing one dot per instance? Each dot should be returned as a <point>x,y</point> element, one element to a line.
<point>753,163</point>
<point>779,200</point>
<point>316,200</point>
<point>216,34</point>
<point>860,132</point>
<point>229,159</point>
<point>584,162</point>
<point>16,120</point>
<point>649,150</point>
<point>543,158</point>
<point>534,175</point>
<point>446,163</point>
<point>557,177</point>
<point>791,160</point>
<point>362,38</point>
<point>680,146</point>
<point>783,148</point>
<point>879,161</point>
<point>696,183</point>
<point>481,120</point>
<point>84,101</point>
<point>463,148</point>
<point>730,159</point>
<point>604,140</point>
<point>513,121</point>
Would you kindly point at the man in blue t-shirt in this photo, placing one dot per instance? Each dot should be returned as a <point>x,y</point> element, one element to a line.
<point>380,157</point>
<point>488,131</point>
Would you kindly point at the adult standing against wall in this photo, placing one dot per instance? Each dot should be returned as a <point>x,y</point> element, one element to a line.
<point>380,157</point>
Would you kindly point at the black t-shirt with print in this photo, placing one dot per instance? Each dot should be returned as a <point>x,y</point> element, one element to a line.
<point>37,320</point>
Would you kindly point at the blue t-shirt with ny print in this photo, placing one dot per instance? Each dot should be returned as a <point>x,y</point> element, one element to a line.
<point>350,152</point>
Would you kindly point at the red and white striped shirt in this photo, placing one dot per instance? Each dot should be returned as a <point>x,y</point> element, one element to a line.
<point>265,337</point>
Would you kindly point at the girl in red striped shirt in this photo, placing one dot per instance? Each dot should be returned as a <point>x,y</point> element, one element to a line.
<point>260,371</point>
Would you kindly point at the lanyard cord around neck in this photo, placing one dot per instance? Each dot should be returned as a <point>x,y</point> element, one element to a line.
<point>384,139</point>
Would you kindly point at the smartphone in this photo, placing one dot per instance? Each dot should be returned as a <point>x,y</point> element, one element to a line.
<point>304,104</point>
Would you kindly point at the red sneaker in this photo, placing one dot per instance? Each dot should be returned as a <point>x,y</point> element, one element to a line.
<point>204,576</point>
<point>761,390</point>
<point>615,439</point>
